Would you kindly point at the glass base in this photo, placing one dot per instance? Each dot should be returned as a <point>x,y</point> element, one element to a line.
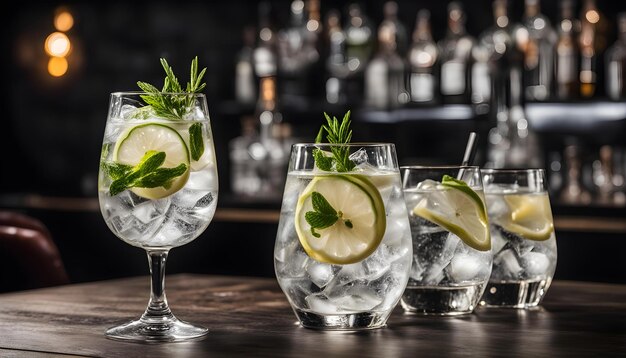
<point>441,300</point>
<point>342,322</point>
<point>515,294</point>
<point>155,331</point>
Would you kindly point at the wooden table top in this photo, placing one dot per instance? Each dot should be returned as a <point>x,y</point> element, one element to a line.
<point>250,317</point>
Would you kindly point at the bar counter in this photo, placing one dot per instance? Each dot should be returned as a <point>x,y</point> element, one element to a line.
<point>250,317</point>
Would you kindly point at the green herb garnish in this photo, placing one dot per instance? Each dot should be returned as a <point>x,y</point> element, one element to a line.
<point>195,141</point>
<point>168,103</point>
<point>336,134</point>
<point>148,173</point>
<point>324,215</point>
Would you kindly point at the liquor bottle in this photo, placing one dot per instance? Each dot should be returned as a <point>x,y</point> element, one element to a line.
<point>537,40</point>
<point>245,88</point>
<point>384,76</point>
<point>264,55</point>
<point>590,17</point>
<point>616,64</point>
<point>456,51</point>
<point>313,40</point>
<point>390,11</point>
<point>336,63</point>
<point>258,158</point>
<point>359,45</point>
<point>296,54</point>
<point>567,54</point>
<point>422,58</point>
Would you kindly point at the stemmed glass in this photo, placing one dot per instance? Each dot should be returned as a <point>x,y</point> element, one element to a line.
<point>157,189</point>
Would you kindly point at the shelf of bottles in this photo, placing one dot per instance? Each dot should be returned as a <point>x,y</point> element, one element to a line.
<point>526,80</point>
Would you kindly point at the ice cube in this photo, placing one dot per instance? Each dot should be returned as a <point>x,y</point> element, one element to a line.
<point>128,111</point>
<point>519,244</point>
<point>434,251</point>
<point>360,158</point>
<point>506,265</point>
<point>291,260</point>
<point>320,273</point>
<point>427,184</point>
<point>358,299</point>
<point>535,263</point>
<point>319,303</point>
<point>464,267</point>
<point>297,289</point>
<point>497,241</point>
<point>417,270</point>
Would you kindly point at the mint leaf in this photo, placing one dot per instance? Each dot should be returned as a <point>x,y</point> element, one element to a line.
<point>321,205</point>
<point>195,141</point>
<point>320,220</point>
<point>322,161</point>
<point>146,174</point>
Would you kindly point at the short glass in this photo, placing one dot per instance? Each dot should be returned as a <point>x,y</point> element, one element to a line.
<point>157,189</point>
<point>451,245</point>
<point>523,240</point>
<point>342,280</point>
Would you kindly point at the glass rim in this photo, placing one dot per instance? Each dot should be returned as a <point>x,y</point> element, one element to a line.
<point>138,93</point>
<point>439,167</point>
<point>353,144</point>
<point>512,171</point>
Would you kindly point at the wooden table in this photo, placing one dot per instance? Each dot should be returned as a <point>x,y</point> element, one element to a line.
<point>250,317</point>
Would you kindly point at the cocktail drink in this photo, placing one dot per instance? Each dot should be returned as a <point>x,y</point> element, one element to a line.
<point>451,244</point>
<point>157,190</point>
<point>523,240</point>
<point>343,247</point>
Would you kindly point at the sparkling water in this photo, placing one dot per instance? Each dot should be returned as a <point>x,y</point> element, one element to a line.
<point>366,290</point>
<point>522,268</point>
<point>447,276</point>
<point>162,223</point>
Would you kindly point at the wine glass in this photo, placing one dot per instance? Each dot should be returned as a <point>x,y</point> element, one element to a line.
<point>157,188</point>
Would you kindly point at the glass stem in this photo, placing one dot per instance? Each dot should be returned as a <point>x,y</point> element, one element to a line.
<point>158,311</point>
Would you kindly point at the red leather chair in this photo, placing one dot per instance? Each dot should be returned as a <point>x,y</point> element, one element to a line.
<point>28,256</point>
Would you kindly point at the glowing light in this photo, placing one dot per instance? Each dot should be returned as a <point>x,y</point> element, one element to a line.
<point>592,16</point>
<point>57,66</point>
<point>63,21</point>
<point>57,44</point>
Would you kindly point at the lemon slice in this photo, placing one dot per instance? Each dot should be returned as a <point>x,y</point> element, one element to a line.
<point>359,202</point>
<point>530,216</point>
<point>133,145</point>
<point>459,212</point>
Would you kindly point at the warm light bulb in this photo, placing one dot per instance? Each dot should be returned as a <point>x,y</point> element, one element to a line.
<point>592,16</point>
<point>57,66</point>
<point>57,44</point>
<point>63,21</point>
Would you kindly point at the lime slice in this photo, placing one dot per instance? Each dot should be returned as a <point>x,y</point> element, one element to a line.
<point>459,212</point>
<point>359,201</point>
<point>133,145</point>
<point>530,216</point>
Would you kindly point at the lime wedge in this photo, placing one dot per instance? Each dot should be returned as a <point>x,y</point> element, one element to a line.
<point>133,145</point>
<point>458,211</point>
<point>530,216</point>
<point>359,201</point>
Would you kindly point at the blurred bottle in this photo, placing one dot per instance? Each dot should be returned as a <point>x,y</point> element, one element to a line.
<point>574,192</point>
<point>245,88</point>
<point>455,51</point>
<point>336,63</point>
<point>567,54</point>
<point>390,11</point>
<point>603,175</point>
<point>536,39</point>
<point>359,45</point>
<point>589,18</point>
<point>264,55</point>
<point>259,159</point>
<point>422,58</point>
<point>384,77</point>
<point>296,53</point>
<point>313,40</point>
<point>616,63</point>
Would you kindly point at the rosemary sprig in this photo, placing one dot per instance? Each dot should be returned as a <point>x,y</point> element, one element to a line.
<point>168,105</point>
<point>336,134</point>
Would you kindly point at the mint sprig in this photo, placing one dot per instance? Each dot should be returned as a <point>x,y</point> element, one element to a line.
<point>195,141</point>
<point>148,173</point>
<point>336,133</point>
<point>324,215</point>
<point>167,103</point>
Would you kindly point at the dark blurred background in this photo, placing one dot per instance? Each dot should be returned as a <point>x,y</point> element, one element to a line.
<point>55,112</point>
